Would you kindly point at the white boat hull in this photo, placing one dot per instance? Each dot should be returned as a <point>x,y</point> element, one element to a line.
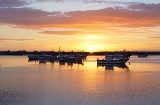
<point>118,61</point>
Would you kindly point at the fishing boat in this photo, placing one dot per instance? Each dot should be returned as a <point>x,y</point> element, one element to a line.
<point>110,59</point>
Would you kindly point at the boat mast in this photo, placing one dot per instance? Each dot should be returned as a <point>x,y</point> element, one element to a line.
<point>59,50</point>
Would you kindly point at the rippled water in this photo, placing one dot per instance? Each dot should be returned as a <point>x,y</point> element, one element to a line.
<point>24,82</point>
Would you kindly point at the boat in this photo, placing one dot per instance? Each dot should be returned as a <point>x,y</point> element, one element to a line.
<point>121,55</point>
<point>38,57</point>
<point>70,57</point>
<point>61,57</point>
<point>118,55</point>
<point>74,57</point>
<point>142,55</point>
<point>110,59</point>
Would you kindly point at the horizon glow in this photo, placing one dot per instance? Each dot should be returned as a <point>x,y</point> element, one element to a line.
<point>88,25</point>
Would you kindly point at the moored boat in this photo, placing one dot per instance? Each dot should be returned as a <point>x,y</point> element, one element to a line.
<point>37,57</point>
<point>142,55</point>
<point>61,57</point>
<point>110,59</point>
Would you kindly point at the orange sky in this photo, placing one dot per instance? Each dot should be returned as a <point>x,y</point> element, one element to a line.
<point>89,26</point>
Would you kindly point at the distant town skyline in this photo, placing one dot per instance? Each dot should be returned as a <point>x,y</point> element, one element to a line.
<point>80,25</point>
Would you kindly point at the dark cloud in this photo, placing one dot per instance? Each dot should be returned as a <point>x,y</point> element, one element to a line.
<point>145,7</point>
<point>24,16</point>
<point>137,15</point>
<point>12,3</point>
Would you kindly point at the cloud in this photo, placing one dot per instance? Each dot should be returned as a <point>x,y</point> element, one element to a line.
<point>134,16</point>
<point>20,39</point>
<point>52,0</point>
<point>70,32</point>
<point>145,7</point>
<point>25,16</point>
<point>12,3</point>
<point>88,1</point>
<point>109,2</point>
<point>61,32</point>
<point>154,37</point>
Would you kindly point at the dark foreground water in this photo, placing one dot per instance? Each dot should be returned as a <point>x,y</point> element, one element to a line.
<point>24,82</point>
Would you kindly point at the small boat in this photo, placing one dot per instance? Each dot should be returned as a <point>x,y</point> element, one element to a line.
<point>142,55</point>
<point>121,55</point>
<point>61,57</point>
<point>74,57</point>
<point>71,57</point>
<point>37,57</point>
<point>110,59</point>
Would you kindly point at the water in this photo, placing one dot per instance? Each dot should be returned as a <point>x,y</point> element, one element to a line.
<point>24,82</point>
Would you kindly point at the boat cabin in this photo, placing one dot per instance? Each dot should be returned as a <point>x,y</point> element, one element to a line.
<point>109,57</point>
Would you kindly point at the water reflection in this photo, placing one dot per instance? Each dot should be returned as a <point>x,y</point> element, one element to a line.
<point>54,84</point>
<point>71,62</point>
<point>111,66</point>
<point>42,61</point>
<point>68,62</point>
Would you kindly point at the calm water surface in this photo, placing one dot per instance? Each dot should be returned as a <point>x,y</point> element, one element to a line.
<point>24,82</point>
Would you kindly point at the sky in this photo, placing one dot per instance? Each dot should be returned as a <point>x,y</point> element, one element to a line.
<point>80,25</point>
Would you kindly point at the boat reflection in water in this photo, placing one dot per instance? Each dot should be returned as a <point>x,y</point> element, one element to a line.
<point>111,66</point>
<point>71,62</point>
<point>41,61</point>
<point>68,62</point>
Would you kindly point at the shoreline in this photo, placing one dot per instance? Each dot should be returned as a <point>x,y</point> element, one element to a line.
<point>26,53</point>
